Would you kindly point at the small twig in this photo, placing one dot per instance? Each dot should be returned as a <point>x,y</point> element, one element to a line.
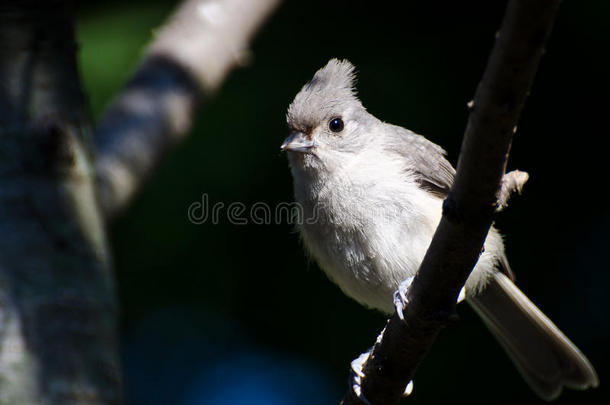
<point>188,60</point>
<point>512,182</point>
<point>469,209</point>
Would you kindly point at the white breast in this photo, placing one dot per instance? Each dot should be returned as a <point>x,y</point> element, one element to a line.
<point>372,227</point>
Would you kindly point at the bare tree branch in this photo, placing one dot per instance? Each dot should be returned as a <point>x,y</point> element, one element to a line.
<point>186,63</point>
<point>58,342</point>
<point>468,210</point>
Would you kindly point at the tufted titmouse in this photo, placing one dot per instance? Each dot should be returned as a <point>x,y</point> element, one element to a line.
<point>372,194</point>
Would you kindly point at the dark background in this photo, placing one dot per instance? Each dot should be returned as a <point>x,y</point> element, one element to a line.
<point>235,314</point>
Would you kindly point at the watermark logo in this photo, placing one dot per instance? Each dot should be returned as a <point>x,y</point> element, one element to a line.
<point>293,213</point>
<point>259,213</point>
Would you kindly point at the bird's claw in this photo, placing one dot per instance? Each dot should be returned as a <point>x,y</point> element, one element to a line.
<point>357,374</point>
<point>400,297</point>
<point>401,301</point>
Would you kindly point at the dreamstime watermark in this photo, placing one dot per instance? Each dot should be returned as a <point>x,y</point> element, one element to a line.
<point>291,213</point>
<point>259,213</point>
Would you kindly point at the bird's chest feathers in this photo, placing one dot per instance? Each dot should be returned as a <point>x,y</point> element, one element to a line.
<point>358,226</point>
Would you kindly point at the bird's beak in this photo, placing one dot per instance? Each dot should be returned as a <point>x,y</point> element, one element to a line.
<point>297,142</point>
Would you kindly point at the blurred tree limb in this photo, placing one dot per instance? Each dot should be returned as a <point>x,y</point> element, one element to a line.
<point>186,63</point>
<point>57,301</point>
<point>58,312</point>
<point>470,206</point>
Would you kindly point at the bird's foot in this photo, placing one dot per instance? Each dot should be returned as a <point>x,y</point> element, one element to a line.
<point>401,301</point>
<point>357,375</point>
<point>400,297</point>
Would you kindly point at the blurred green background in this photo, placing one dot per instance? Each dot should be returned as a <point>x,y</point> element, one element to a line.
<point>235,314</point>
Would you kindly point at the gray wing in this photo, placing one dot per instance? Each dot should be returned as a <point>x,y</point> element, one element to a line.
<point>423,158</point>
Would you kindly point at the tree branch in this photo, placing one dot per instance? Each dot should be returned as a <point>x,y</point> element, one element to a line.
<point>187,62</point>
<point>469,209</point>
<point>58,342</point>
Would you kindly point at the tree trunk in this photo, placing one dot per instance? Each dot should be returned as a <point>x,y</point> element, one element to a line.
<point>58,338</point>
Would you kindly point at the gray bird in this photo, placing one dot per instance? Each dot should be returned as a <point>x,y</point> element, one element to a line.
<point>372,194</point>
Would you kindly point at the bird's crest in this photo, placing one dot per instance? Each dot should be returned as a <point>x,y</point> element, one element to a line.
<point>330,89</point>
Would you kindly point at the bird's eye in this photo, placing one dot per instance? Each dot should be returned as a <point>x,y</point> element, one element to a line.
<point>336,125</point>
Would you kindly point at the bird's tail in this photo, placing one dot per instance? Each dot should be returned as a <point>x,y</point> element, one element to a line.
<point>544,356</point>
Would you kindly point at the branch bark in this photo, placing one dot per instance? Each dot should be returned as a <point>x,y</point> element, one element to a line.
<point>58,342</point>
<point>187,62</point>
<point>469,209</point>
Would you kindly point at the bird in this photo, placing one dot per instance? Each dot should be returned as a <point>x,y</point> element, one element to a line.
<point>371,195</point>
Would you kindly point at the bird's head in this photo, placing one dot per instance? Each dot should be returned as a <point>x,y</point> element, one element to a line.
<point>326,120</point>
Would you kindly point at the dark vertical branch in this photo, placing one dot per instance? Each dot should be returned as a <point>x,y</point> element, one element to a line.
<point>468,210</point>
<point>58,341</point>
